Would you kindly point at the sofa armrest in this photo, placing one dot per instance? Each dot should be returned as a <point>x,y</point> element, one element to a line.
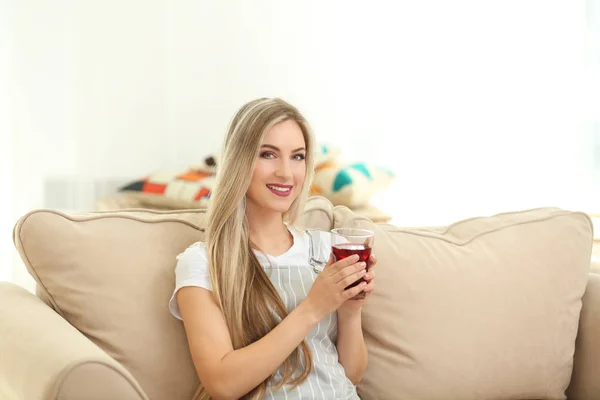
<point>44,357</point>
<point>585,382</point>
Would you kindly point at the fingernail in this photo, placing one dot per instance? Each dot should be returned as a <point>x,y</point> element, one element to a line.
<point>355,257</point>
<point>367,276</point>
<point>363,264</point>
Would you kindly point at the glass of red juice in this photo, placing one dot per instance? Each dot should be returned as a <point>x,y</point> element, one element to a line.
<point>348,241</point>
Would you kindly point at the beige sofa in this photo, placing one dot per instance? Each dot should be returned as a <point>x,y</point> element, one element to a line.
<point>499,307</point>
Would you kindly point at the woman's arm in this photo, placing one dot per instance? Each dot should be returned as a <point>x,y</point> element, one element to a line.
<point>352,351</point>
<point>227,373</point>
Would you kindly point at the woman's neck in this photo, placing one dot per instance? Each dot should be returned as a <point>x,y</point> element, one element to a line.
<point>268,232</point>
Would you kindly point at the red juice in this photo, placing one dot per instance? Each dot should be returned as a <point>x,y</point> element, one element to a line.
<point>343,250</point>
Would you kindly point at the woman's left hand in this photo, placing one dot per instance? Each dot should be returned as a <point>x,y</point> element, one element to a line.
<point>354,304</point>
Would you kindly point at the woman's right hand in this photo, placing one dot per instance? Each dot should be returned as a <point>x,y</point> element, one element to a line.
<point>328,291</point>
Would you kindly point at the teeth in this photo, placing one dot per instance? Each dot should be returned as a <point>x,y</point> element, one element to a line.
<point>279,189</point>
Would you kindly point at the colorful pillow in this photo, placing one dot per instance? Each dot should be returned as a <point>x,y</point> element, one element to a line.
<point>190,189</point>
<point>350,185</point>
<point>208,165</point>
<point>325,153</point>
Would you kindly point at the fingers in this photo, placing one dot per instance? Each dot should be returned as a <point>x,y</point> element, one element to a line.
<point>369,276</point>
<point>353,291</point>
<point>350,279</point>
<point>365,293</point>
<point>371,261</point>
<point>350,271</point>
<point>369,288</point>
<point>345,262</point>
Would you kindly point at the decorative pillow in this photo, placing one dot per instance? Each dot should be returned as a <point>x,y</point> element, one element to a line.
<point>350,185</point>
<point>208,165</point>
<point>190,189</point>
<point>325,153</point>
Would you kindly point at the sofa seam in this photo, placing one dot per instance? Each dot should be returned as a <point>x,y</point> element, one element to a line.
<point>422,233</point>
<point>148,210</point>
<point>62,376</point>
<point>457,223</point>
<point>116,214</point>
<point>28,263</point>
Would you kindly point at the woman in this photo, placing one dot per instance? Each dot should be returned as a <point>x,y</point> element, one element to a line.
<point>260,322</point>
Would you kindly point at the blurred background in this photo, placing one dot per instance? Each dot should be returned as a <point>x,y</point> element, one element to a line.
<point>474,106</point>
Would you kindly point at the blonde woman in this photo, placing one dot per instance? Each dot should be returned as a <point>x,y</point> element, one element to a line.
<point>260,322</point>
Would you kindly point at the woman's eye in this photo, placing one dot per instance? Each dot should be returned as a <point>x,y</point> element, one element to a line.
<point>267,154</point>
<point>299,157</point>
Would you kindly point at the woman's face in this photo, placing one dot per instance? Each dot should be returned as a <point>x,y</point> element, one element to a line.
<point>279,172</point>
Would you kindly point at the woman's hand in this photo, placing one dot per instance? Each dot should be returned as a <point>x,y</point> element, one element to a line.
<point>328,291</point>
<point>353,305</point>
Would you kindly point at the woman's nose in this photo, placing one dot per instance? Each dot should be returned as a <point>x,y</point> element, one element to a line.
<point>284,169</point>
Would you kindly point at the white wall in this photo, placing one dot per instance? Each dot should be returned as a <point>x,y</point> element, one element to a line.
<point>481,100</point>
<point>592,94</point>
<point>477,105</point>
<point>6,162</point>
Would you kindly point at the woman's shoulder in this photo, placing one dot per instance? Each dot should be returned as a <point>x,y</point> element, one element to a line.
<point>191,270</point>
<point>195,251</point>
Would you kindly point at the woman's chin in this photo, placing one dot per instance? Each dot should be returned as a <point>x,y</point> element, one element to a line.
<point>281,206</point>
<point>280,209</point>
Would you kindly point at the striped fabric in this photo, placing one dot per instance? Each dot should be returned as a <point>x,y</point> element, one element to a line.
<point>293,282</point>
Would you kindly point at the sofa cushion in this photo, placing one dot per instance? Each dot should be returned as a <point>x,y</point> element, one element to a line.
<point>486,308</point>
<point>352,185</point>
<point>111,274</point>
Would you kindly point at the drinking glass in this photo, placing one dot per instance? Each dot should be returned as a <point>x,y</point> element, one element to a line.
<point>348,241</point>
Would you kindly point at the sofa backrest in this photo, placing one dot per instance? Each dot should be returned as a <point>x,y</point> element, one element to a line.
<point>486,307</point>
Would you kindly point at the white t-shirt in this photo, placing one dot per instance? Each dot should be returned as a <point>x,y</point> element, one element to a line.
<point>192,264</point>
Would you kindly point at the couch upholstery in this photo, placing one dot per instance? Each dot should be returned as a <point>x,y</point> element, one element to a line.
<point>492,307</point>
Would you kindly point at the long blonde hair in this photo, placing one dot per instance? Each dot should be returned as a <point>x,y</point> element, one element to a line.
<point>249,301</point>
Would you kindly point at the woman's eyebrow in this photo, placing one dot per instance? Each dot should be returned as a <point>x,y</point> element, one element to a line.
<point>270,146</point>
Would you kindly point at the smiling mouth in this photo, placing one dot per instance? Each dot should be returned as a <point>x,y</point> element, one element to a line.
<point>280,188</point>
